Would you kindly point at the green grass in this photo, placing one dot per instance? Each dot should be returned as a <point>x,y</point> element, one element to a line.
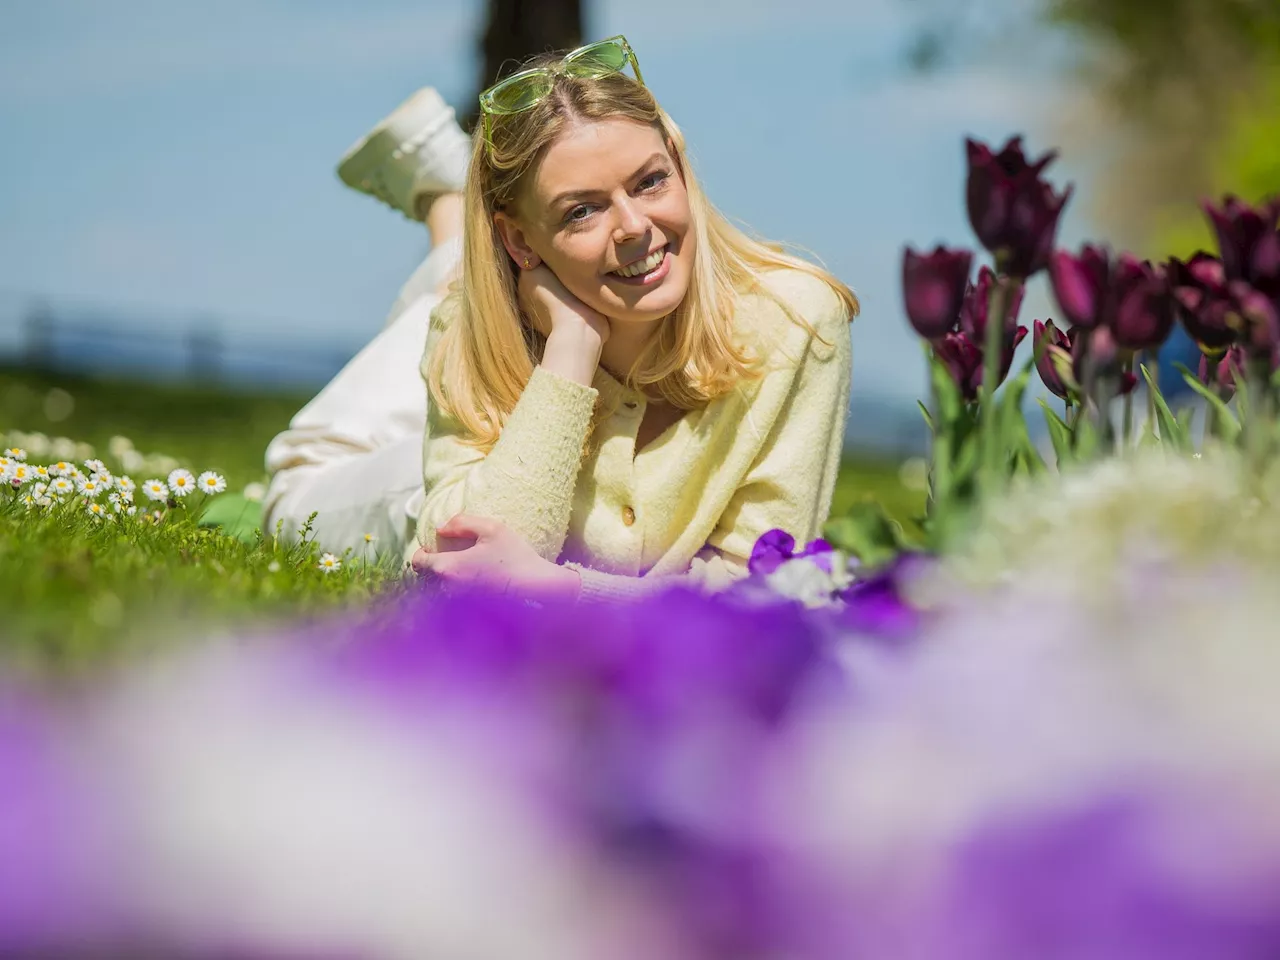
<point>77,590</point>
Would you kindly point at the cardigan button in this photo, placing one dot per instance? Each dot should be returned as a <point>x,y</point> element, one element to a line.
<point>628,516</point>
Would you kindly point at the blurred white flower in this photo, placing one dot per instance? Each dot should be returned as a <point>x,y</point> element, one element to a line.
<point>211,482</point>
<point>329,563</point>
<point>62,468</point>
<point>94,465</point>
<point>125,484</point>
<point>181,482</point>
<point>255,491</point>
<point>64,448</point>
<point>118,446</point>
<point>96,509</point>
<point>16,453</point>
<point>19,473</point>
<point>132,460</point>
<point>37,444</point>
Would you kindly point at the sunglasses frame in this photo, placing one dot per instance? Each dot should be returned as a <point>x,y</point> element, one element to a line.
<point>489,107</point>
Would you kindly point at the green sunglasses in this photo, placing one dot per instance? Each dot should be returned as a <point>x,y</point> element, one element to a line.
<point>526,89</point>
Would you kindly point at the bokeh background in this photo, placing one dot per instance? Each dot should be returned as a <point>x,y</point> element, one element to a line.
<point>170,219</point>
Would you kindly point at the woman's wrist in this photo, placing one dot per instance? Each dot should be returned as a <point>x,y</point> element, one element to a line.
<point>573,352</point>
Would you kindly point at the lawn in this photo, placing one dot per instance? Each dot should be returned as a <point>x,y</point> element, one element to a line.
<point>77,588</point>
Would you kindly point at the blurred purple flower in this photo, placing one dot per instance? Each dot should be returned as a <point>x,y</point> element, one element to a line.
<point>934,287</point>
<point>1205,305</point>
<point>1248,241</point>
<point>1013,211</point>
<point>775,547</point>
<point>963,360</point>
<point>1081,285</point>
<point>877,605</point>
<point>1143,308</point>
<point>977,307</point>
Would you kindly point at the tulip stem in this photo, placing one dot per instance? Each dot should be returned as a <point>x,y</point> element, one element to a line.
<point>1128,405</point>
<point>1003,293</point>
<point>1258,423</point>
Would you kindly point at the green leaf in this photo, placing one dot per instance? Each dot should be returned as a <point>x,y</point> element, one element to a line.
<point>1171,432</point>
<point>945,389</point>
<point>1060,435</point>
<point>866,532</point>
<point>1228,427</point>
<point>928,417</point>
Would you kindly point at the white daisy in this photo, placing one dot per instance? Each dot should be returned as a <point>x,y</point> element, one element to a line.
<point>61,486</point>
<point>95,466</point>
<point>126,485</point>
<point>88,487</point>
<point>19,473</point>
<point>369,538</point>
<point>156,490</point>
<point>104,477</point>
<point>28,501</point>
<point>211,482</point>
<point>181,482</point>
<point>61,469</point>
<point>39,472</point>
<point>329,563</point>
<point>44,502</point>
<point>95,508</point>
<point>75,474</point>
<point>130,510</point>
<point>39,489</point>
<point>16,453</point>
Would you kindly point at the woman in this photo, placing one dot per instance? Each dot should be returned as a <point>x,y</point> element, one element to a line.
<point>625,390</point>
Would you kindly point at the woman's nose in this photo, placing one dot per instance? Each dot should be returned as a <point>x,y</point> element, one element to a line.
<point>632,221</point>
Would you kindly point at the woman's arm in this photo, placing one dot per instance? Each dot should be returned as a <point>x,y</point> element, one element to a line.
<point>789,486</point>
<point>527,479</point>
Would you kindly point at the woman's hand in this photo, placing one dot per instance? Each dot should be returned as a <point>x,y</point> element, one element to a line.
<point>551,307</point>
<point>483,553</point>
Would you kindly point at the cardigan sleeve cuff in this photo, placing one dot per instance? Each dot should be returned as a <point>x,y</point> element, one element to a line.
<point>600,587</point>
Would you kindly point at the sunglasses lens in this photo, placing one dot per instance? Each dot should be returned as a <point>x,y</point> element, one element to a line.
<point>519,93</point>
<point>597,60</point>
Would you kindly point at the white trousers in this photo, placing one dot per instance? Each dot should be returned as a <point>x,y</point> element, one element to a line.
<point>353,455</point>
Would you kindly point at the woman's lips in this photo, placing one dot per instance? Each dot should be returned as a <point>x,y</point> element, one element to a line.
<point>653,276</point>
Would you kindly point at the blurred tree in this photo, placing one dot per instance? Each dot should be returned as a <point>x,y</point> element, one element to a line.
<point>1184,103</point>
<point>516,30</point>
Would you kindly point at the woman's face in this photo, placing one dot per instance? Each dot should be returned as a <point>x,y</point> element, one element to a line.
<point>608,197</point>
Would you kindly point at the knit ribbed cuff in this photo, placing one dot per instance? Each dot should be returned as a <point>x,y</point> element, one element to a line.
<point>599,587</point>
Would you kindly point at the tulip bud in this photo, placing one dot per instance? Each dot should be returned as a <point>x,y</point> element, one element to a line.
<point>1012,210</point>
<point>1143,308</point>
<point>1222,374</point>
<point>1080,285</point>
<point>963,360</point>
<point>1204,305</point>
<point>1053,358</point>
<point>1246,239</point>
<point>933,289</point>
<point>977,305</point>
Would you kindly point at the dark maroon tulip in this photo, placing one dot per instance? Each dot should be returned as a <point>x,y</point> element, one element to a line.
<point>977,305</point>
<point>1204,303</point>
<point>1260,316</point>
<point>1142,308</point>
<point>1012,210</point>
<point>933,286</point>
<point>1080,285</point>
<point>1221,373</point>
<point>1246,240</point>
<point>1050,341</point>
<point>963,359</point>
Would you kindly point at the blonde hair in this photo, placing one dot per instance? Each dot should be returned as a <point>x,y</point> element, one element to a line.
<point>484,358</point>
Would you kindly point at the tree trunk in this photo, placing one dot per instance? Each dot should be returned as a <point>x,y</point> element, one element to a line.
<point>518,29</point>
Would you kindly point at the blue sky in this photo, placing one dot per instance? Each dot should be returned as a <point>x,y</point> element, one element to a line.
<point>175,160</point>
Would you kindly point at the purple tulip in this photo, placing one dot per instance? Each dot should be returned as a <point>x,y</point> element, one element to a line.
<point>1204,303</point>
<point>933,288</point>
<point>1260,314</point>
<point>1050,342</point>
<point>977,306</point>
<point>1247,240</point>
<point>1012,210</point>
<point>1223,373</point>
<point>963,360</point>
<point>1080,285</point>
<point>1143,309</point>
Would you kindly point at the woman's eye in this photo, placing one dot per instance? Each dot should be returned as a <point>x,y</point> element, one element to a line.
<point>653,180</point>
<point>579,212</point>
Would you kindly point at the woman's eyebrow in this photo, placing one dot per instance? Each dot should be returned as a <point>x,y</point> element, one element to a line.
<point>578,194</point>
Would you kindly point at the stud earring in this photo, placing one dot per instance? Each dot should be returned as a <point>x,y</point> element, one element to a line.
<point>526,263</point>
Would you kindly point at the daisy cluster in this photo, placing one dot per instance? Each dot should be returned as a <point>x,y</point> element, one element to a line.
<point>92,484</point>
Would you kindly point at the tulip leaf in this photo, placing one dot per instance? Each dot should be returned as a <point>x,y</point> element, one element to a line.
<point>1226,424</point>
<point>1060,435</point>
<point>928,417</point>
<point>945,390</point>
<point>1087,439</point>
<point>1171,432</point>
<point>866,532</point>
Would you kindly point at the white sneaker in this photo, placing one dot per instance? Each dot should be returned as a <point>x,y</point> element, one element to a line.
<point>417,151</point>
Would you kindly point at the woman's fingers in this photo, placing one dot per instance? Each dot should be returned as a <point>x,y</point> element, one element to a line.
<point>465,525</point>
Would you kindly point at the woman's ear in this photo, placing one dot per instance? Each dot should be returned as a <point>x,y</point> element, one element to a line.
<point>513,238</point>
